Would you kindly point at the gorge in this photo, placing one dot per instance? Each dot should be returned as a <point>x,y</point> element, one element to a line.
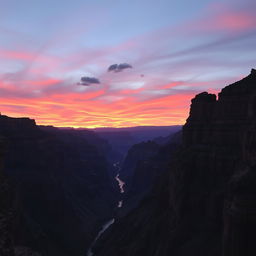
<point>190,192</point>
<point>106,225</point>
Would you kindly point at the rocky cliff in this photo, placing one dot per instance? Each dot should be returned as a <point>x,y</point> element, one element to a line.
<point>205,203</point>
<point>61,186</point>
<point>144,164</point>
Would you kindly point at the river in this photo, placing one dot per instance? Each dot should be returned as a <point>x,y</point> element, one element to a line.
<point>106,225</point>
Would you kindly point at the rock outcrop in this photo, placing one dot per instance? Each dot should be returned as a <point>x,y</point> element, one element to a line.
<point>220,136</point>
<point>205,205</point>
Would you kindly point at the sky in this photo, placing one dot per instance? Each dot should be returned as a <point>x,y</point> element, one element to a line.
<point>176,49</point>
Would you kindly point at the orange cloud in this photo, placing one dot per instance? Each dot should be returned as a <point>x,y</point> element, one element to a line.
<point>88,110</point>
<point>46,82</point>
<point>44,86</point>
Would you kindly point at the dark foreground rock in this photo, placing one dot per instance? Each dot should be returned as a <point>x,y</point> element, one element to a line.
<point>6,212</point>
<point>61,188</point>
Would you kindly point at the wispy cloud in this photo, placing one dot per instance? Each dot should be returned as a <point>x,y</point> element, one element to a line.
<point>169,66</point>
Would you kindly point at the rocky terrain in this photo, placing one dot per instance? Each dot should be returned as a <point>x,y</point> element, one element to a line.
<point>61,187</point>
<point>143,166</point>
<point>205,204</point>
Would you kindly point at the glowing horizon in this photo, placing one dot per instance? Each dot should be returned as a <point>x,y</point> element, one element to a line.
<point>175,53</point>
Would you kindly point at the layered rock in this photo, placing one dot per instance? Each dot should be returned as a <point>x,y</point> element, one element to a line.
<point>213,173</point>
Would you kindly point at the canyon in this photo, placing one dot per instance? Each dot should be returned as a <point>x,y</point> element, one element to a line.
<point>74,192</point>
<point>59,187</point>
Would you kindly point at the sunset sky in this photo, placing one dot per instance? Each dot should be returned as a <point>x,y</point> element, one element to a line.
<point>176,49</point>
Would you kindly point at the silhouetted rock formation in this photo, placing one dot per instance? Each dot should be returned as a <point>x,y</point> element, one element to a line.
<point>144,164</point>
<point>213,173</point>
<point>62,187</point>
<point>223,139</point>
<point>6,213</point>
<point>138,153</point>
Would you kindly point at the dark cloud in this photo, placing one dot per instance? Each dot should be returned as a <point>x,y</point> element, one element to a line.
<point>119,68</point>
<point>113,67</point>
<point>124,66</point>
<point>86,81</point>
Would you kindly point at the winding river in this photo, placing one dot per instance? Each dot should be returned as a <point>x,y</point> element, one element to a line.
<point>112,221</point>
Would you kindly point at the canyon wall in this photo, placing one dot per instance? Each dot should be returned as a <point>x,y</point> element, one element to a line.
<point>205,203</point>
<point>61,187</point>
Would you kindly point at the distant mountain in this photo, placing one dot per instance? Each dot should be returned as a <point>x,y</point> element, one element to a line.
<point>121,139</point>
<point>138,128</point>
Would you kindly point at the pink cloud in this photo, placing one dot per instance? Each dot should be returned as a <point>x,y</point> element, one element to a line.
<point>229,21</point>
<point>16,55</point>
<point>45,87</point>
